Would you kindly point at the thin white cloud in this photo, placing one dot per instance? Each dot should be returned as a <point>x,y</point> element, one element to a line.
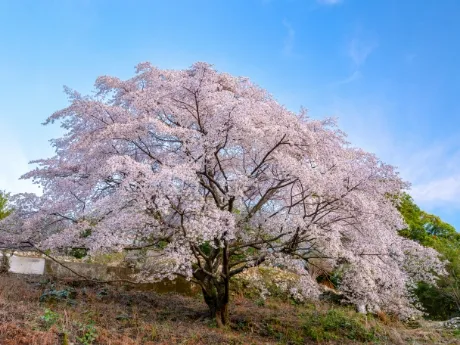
<point>288,47</point>
<point>435,173</point>
<point>353,77</point>
<point>329,2</point>
<point>439,191</point>
<point>432,169</point>
<point>359,50</point>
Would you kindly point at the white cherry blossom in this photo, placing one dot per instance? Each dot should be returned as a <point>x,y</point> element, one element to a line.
<point>212,174</point>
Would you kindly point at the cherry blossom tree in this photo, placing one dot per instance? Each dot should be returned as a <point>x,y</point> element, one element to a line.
<point>213,176</point>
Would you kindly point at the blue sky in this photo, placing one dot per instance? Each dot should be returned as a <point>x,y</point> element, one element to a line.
<point>387,69</point>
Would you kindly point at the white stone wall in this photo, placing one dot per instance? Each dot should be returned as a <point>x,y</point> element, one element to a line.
<point>26,265</point>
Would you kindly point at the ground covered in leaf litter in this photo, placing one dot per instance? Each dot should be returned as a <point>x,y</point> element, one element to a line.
<point>37,311</point>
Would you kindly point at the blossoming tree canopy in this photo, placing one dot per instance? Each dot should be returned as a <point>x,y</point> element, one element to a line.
<point>213,175</point>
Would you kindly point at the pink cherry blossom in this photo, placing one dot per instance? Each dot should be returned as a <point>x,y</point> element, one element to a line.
<point>214,176</point>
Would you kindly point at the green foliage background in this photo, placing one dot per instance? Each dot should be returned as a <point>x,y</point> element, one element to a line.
<point>442,301</point>
<point>5,211</point>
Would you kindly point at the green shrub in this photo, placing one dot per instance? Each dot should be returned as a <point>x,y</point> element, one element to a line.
<point>78,253</point>
<point>336,324</point>
<point>89,334</point>
<point>49,318</point>
<point>68,294</point>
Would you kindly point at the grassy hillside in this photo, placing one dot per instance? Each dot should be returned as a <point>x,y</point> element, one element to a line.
<point>34,311</point>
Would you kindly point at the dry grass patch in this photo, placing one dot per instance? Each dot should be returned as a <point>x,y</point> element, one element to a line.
<point>118,315</point>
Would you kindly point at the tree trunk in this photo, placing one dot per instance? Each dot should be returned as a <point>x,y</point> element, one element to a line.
<point>216,288</point>
<point>216,297</point>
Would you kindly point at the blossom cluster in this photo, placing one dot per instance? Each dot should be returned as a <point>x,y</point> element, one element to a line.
<point>213,175</point>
